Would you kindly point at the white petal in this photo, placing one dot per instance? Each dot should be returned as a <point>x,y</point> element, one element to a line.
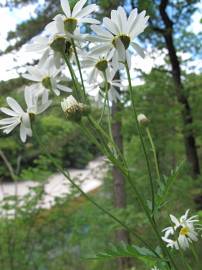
<point>8,121</point>
<point>123,19</point>
<point>139,25</point>
<point>14,105</point>
<point>89,20</point>
<point>116,20</point>
<point>87,10</point>
<point>64,88</point>
<point>174,220</point>
<point>65,7</point>
<point>10,127</point>
<point>77,8</point>
<point>131,19</point>
<point>100,49</point>
<point>100,31</point>
<point>8,112</point>
<point>59,24</point>
<point>110,25</point>
<point>138,49</point>
<point>56,60</point>
<point>44,58</point>
<point>23,133</point>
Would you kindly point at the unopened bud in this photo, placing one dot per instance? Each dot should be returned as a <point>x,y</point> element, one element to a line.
<point>142,119</point>
<point>74,109</point>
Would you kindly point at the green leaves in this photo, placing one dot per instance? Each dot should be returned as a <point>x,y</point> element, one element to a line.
<point>123,250</point>
<point>166,185</point>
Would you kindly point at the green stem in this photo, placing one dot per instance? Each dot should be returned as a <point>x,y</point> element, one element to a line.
<point>141,202</point>
<point>195,253</point>
<point>79,68</point>
<point>154,154</point>
<point>72,75</point>
<point>104,107</point>
<point>141,137</point>
<point>147,212</point>
<point>60,169</point>
<point>108,105</point>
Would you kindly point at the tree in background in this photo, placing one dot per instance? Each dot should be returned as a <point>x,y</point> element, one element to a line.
<point>168,32</point>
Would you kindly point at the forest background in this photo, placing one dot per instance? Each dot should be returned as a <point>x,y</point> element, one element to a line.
<point>168,91</point>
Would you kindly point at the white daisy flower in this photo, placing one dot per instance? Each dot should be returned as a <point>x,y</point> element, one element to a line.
<point>118,33</point>
<point>97,63</point>
<point>70,22</point>
<point>36,101</point>
<point>17,117</point>
<point>42,45</point>
<point>78,15</point>
<point>97,90</point>
<point>45,77</point>
<point>182,233</point>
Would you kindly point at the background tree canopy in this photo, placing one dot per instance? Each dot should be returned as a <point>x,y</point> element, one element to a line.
<point>73,231</point>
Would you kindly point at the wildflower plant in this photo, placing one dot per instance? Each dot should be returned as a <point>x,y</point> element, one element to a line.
<point>97,62</point>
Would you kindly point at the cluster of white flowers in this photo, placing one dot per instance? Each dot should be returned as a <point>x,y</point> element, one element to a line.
<point>100,54</point>
<point>183,232</point>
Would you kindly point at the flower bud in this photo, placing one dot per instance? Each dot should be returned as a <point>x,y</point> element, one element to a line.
<point>142,119</point>
<point>74,109</point>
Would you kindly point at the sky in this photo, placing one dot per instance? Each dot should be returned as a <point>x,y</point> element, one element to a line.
<point>11,18</point>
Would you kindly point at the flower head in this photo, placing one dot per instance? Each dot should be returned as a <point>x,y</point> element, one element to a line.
<point>182,233</point>
<point>69,22</point>
<point>16,117</point>
<point>97,89</point>
<point>46,78</point>
<point>36,101</point>
<point>118,32</point>
<point>78,15</point>
<point>97,62</point>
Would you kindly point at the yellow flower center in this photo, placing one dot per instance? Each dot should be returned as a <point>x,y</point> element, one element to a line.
<point>46,82</point>
<point>124,39</point>
<point>184,231</point>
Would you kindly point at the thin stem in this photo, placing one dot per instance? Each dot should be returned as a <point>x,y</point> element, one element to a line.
<point>108,105</point>
<point>141,137</point>
<point>151,219</point>
<point>72,75</point>
<point>79,67</point>
<point>142,203</point>
<point>104,107</point>
<point>154,154</point>
<point>60,169</point>
<point>195,253</point>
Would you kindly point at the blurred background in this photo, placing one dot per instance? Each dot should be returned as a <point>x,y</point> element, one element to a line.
<point>168,89</point>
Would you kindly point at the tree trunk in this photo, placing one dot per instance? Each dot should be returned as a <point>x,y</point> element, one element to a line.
<point>119,184</point>
<point>189,137</point>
